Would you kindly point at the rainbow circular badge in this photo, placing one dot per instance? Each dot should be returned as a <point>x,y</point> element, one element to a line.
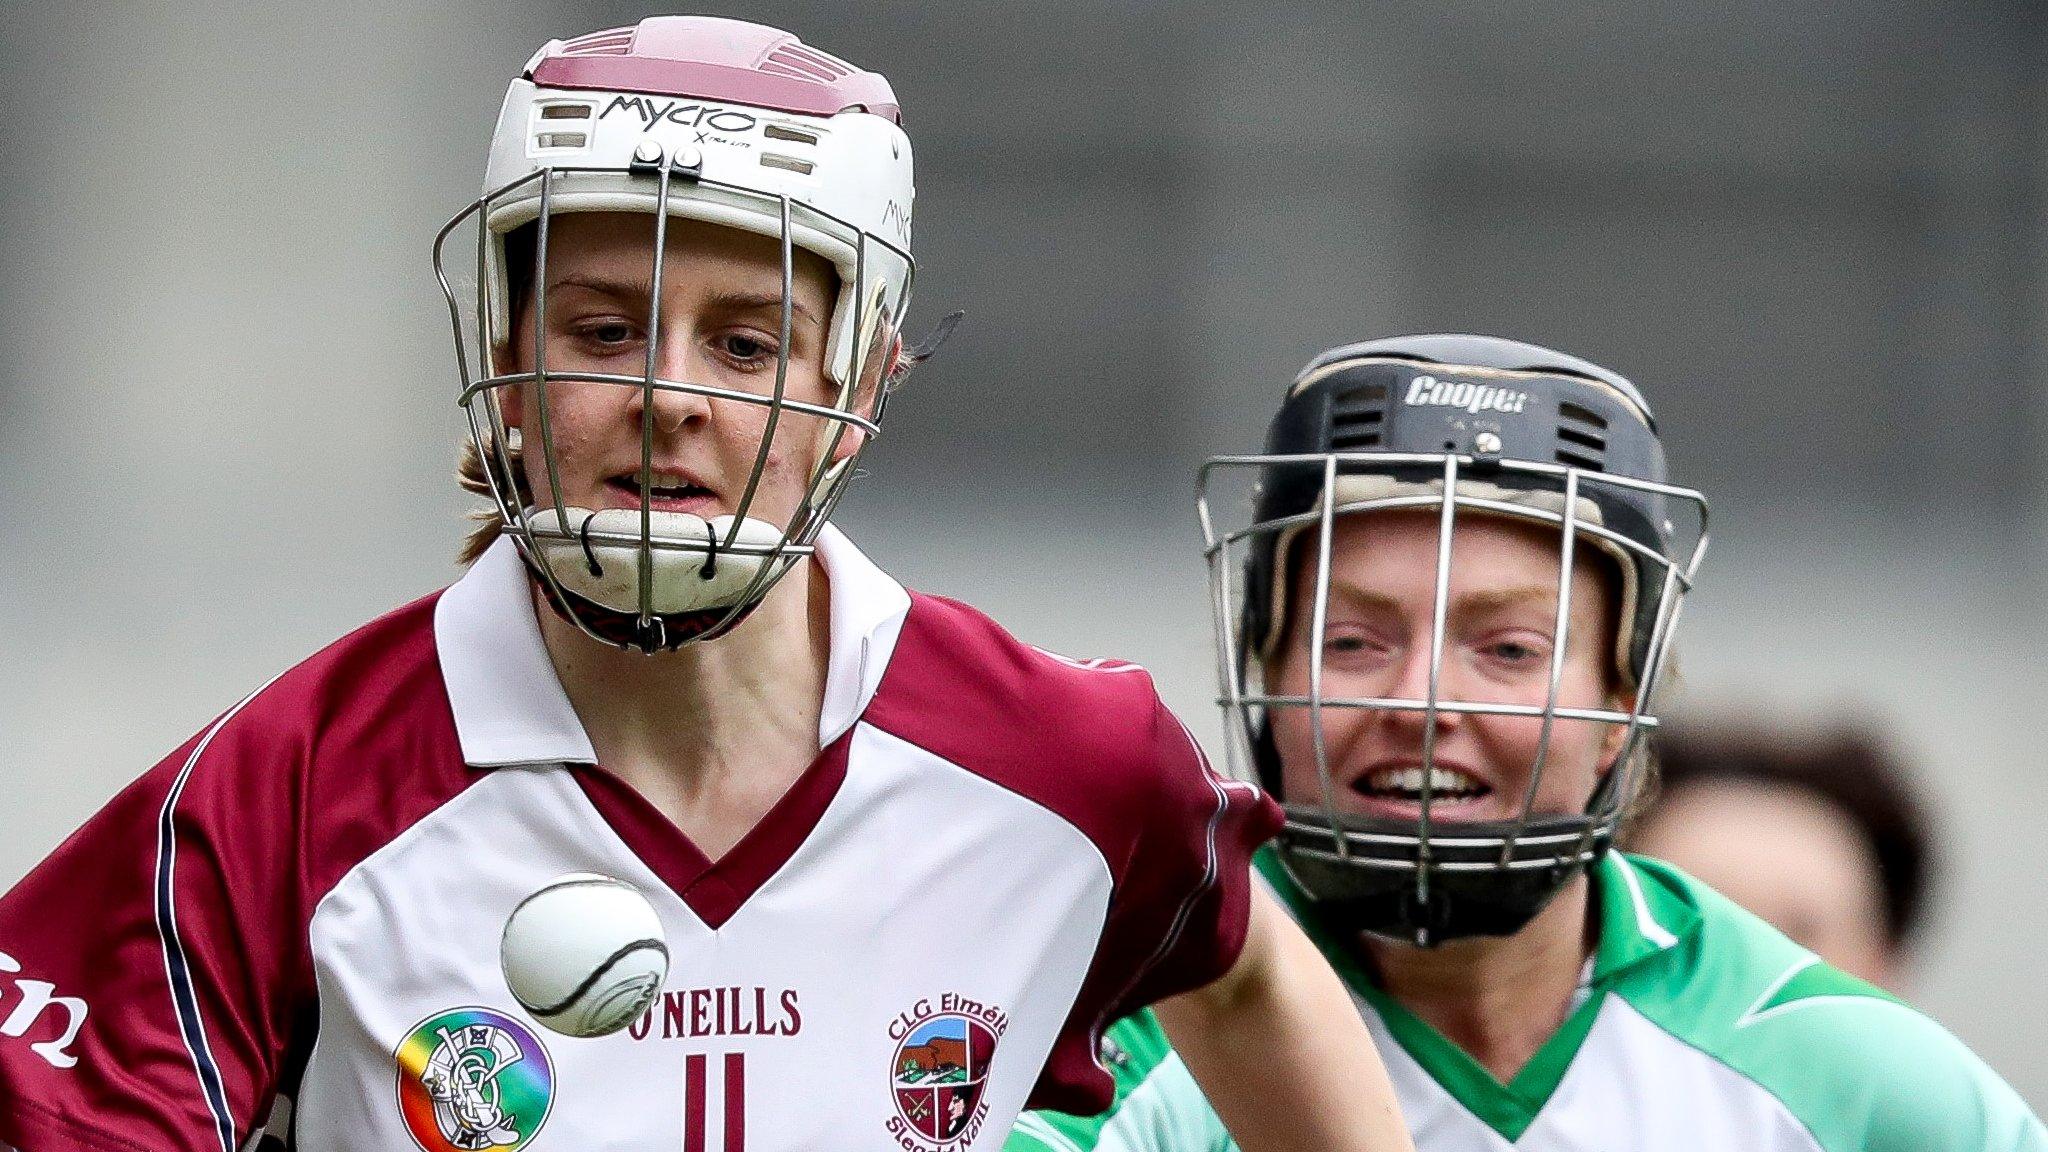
<point>471,1079</point>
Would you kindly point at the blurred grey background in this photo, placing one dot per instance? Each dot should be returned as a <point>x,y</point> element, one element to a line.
<point>1811,229</point>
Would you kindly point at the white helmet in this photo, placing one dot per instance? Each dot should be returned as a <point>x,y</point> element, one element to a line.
<point>725,122</point>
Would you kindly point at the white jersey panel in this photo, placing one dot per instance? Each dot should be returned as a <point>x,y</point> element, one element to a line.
<point>1636,1086</point>
<point>925,893</point>
<point>1633,1087</point>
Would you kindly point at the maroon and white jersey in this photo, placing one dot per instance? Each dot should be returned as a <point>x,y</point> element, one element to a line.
<point>996,851</point>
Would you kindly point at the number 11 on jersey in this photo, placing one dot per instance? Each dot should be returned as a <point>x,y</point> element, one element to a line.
<point>696,1092</point>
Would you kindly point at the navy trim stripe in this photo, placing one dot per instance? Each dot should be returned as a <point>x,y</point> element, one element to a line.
<point>184,997</point>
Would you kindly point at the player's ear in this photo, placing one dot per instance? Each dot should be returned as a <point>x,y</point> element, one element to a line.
<point>504,362</point>
<point>879,370</point>
<point>512,403</point>
<point>1616,736</point>
<point>892,363</point>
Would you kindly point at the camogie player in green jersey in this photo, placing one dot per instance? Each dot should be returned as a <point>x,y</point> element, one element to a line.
<point>1439,636</point>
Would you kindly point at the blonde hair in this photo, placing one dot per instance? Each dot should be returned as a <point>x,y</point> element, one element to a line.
<point>488,523</point>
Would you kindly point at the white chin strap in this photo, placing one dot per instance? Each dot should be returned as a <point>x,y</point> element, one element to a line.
<point>596,564</point>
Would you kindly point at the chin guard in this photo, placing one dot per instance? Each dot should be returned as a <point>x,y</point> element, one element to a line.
<point>599,574</point>
<point>661,632</point>
<point>1483,878</point>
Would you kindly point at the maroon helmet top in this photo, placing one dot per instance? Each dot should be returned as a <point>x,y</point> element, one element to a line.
<point>715,58</point>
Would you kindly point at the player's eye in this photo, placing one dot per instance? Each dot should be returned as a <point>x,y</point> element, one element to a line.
<point>745,350</point>
<point>1352,644</point>
<point>1516,651</point>
<point>607,334</point>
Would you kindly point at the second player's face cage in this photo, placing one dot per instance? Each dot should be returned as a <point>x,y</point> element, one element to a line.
<point>682,586</point>
<point>1395,877</point>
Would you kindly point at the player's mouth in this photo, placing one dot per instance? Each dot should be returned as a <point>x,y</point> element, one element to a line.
<point>1396,791</point>
<point>668,491</point>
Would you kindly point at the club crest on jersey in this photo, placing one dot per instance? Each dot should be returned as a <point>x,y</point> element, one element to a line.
<point>940,1071</point>
<point>471,1079</point>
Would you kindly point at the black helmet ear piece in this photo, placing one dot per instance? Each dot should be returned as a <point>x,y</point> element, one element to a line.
<point>904,358</point>
<point>1266,755</point>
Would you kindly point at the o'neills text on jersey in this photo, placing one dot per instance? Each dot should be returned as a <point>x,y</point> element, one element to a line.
<point>728,1011</point>
<point>38,1002</point>
<point>1473,398</point>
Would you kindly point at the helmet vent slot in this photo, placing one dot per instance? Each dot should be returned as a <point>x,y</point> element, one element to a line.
<point>779,132</point>
<point>806,63</point>
<point>1583,446</point>
<point>1357,416</point>
<point>561,140</point>
<point>565,112</point>
<point>1586,416</point>
<point>610,42</point>
<point>771,160</point>
<point>1584,439</point>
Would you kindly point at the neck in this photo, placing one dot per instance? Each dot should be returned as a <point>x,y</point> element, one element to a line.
<point>713,732</point>
<point>1497,997</point>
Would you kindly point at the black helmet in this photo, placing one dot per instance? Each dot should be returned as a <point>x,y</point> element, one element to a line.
<point>1508,429</point>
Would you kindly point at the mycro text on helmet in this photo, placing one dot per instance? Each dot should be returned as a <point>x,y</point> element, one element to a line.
<point>680,113</point>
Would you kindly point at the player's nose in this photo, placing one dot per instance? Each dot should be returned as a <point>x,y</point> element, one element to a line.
<point>1413,672</point>
<point>672,408</point>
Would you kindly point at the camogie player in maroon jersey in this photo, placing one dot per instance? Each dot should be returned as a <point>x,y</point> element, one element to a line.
<point>906,866</point>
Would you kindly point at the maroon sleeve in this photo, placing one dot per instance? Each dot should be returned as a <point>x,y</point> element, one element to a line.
<point>156,981</point>
<point>1182,902</point>
<point>151,967</point>
<point>1200,846</point>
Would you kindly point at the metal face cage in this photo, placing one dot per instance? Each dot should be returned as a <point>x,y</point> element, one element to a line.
<point>481,316</point>
<point>1429,880</point>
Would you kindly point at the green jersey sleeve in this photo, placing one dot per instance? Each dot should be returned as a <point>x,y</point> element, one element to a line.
<point>1859,1069</point>
<point>1868,1074</point>
<point>1157,1107</point>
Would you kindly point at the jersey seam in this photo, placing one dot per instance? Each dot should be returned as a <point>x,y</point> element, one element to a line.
<point>412,831</point>
<point>1766,1089</point>
<point>1096,1027</point>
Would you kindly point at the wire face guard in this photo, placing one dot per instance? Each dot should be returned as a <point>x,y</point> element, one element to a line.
<point>1428,880</point>
<point>643,578</point>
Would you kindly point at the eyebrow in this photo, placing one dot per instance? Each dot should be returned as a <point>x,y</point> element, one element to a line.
<point>750,302</point>
<point>1481,600</point>
<point>642,288</point>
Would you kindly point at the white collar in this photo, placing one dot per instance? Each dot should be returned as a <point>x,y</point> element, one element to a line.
<point>509,705</point>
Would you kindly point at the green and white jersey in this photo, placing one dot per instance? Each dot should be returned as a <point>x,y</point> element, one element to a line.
<point>1702,1028</point>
